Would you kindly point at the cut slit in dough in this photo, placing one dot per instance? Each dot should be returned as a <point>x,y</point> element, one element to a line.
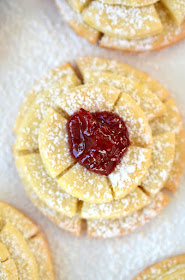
<point>123,22</point>
<point>116,208</point>
<point>151,25</point>
<point>130,172</point>
<point>53,144</point>
<point>86,185</point>
<point>171,121</point>
<point>24,253</point>
<point>34,174</point>
<point>145,98</point>
<point>99,64</point>
<point>136,122</point>
<point>27,138</point>
<point>20,252</point>
<point>110,228</point>
<point>89,97</point>
<point>67,192</point>
<point>163,152</point>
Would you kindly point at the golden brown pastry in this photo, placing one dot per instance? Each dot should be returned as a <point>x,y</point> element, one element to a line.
<point>24,253</point>
<point>128,25</point>
<point>99,151</point>
<point>170,269</point>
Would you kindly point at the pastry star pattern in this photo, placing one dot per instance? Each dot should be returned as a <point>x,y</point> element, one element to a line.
<point>68,193</point>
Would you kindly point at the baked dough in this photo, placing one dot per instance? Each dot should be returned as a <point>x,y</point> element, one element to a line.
<point>135,26</point>
<point>67,192</point>
<point>170,269</point>
<point>24,252</point>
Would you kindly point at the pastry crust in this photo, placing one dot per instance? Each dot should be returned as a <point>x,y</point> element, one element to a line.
<point>99,64</point>
<point>122,22</point>
<point>24,253</point>
<point>131,3</point>
<point>70,224</point>
<point>68,193</point>
<point>170,35</point>
<point>171,121</point>
<point>116,227</point>
<point>54,127</point>
<point>123,179</point>
<point>33,174</point>
<point>167,27</point>
<point>161,163</point>
<point>168,268</point>
<point>76,23</point>
<point>151,105</point>
<point>27,139</point>
<point>116,208</point>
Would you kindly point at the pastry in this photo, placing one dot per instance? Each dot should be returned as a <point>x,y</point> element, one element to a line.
<point>128,25</point>
<point>170,269</point>
<point>98,151</point>
<point>24,253</point>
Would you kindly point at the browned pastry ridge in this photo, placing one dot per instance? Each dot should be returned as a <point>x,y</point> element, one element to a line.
<point>133,26</point>
<point>24,252</point>
<point>169,269</point>
<point>68,193</point>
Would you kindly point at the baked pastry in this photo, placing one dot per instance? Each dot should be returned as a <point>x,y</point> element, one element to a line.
<point>128,25</point>
<point>99,150</point>
<point>169,269</point>
<point>24,252</point>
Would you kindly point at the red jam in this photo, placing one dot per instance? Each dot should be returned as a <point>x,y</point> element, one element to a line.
<point>97,140</point>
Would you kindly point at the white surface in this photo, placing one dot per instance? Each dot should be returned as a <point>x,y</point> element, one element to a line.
<point>33,39</point>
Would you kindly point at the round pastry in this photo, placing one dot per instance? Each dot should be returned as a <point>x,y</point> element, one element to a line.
<point>169,269</point>
<point>100,149</point>
<point>128,25</point>
<point>24,252</point>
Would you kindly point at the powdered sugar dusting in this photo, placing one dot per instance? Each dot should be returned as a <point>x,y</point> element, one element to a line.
<point>33,173</point>
<point>136,121</point>
<point>173,267</point>
<point>35,39</point>
<point>21,258</point>
<point>129,173</point>
<point>103,228</point>
<point>122,22</point>
<point>122,25</point>
<point>170,34</point>
<point>27,138</point>
<point>163,152</point>
<point>91,98</point>
<point>123,207</point>
<point>53,144</point>
<point>145,98</point>
<point>86,185</point>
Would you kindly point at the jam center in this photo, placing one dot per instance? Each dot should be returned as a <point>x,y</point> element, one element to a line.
<point>97,140</point>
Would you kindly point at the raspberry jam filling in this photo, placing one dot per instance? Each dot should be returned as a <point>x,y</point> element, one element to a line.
<point>98,140</point>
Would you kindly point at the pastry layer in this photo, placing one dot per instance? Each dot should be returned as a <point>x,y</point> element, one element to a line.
<point>24,253</point>
<point>134,26</point>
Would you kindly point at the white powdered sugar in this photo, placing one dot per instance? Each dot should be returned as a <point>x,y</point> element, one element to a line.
<point>128,28</point>
<point>34,39</point>
<point>23,248</point>
<point>120,21</point>
<point>130,171</point>
<point>91,98</point>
